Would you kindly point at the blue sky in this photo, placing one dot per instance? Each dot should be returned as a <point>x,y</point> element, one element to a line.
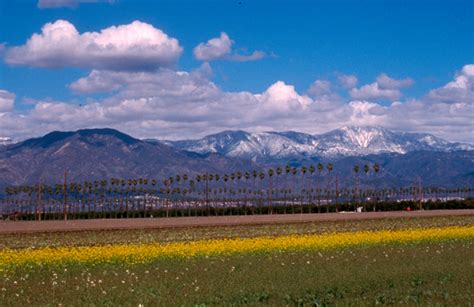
<point>428,43</point>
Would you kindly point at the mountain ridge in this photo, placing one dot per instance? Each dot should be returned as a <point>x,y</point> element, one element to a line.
<point>91,154</point>
<point>98,153</point>
<point>345,141</point>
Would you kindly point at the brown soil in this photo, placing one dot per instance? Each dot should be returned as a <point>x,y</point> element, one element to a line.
<point>142,223</point>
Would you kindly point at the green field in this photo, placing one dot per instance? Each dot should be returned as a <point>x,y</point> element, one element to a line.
<point>424,273</point>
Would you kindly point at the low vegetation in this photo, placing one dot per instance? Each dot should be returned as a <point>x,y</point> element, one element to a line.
<point>393,261</point>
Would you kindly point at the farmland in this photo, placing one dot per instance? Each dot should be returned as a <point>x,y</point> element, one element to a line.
<point>423,260</point>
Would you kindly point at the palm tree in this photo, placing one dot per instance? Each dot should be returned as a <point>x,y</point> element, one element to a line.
<point>232,177</point>
<point>356,174</point>
<point>247,175</point>
<point>225,178</point>
<point>198,192</point>
<point>270,175</point>
<point>192,186</point>
<point>178,181</point>
<point>304,170</point>
<point>294,171</point>
<point>254,175</point>
<point>287,171</point>
<point>171,189</point>
<point>330,168</point>
<point>261,175</point>
<point>312,169</point>
<point>238,176</point>
<point>320,168</point>
<point>279,171</point>
<point>166,189</point>
<point>205,190</point>
<point>366,171</point>
<point>185,178</point>
<point>376,168</point>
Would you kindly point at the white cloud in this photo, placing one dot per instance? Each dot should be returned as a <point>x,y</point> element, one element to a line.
<point>366,113</point>
<point>144,83</point>
<point>385,82</point>
<point>7,100</point>
<point>213,49</point>
<point>451,121</point>
<point>383,88</point>
<point>283,97</point>
<point>254,56</point>
<point>98,81</point>
<point>46,4</point>
<point>50,4</point>
<point>135,46</point>
<point>461,90</point>
<point>373,91</point>
<point>347,81</point>
<point>220,48</point>
<point>324,98</point>
<point>319,87</point>
<point>176,104</point>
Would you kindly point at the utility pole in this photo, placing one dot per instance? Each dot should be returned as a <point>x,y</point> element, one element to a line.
<point>65,196</point>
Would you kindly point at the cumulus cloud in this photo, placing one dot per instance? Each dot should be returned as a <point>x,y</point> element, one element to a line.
<point>451,121</point>
<point>373,91</point>
<point>385,82</point>
<point>366,113</point>
<point>283,97</point>
<point>47,4</point>
<point>147,83</point>
<point>319,87</point>
<point>213,49</point>
<point>383,88</point>
<point>98,81</point>
<point>347,81</point>
<point>254,56</point>
<point>7,100</point>
<point>172,104</point>
<point>220,48</point>
<point>461,90</point>
<point>323,96</point>
<point>50,4</point>
<point>135,46</point>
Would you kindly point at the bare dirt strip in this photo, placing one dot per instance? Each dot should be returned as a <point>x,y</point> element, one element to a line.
<point>8,227</point>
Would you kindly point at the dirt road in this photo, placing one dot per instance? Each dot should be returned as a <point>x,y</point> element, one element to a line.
<point>7,227</point>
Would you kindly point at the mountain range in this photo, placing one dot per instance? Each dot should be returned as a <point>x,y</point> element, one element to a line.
<point>91,154</point>
<point>99,153</point>
<point>343,142</point>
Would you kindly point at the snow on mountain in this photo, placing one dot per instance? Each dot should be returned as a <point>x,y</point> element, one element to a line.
<point>5,141</point>
<point>346,141</point>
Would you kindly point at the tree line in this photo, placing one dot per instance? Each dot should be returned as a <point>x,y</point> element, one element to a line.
<point>287,187</point>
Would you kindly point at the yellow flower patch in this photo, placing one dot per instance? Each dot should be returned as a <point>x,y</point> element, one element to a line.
<point>132,253</point>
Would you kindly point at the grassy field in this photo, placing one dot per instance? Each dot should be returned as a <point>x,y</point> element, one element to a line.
<point>87,238</point>
<point>434,272</point>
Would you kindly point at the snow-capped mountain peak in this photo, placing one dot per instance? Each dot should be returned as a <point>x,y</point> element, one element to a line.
<point>346,141</point>
<point>5,141</point>
<point>363,137</point>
